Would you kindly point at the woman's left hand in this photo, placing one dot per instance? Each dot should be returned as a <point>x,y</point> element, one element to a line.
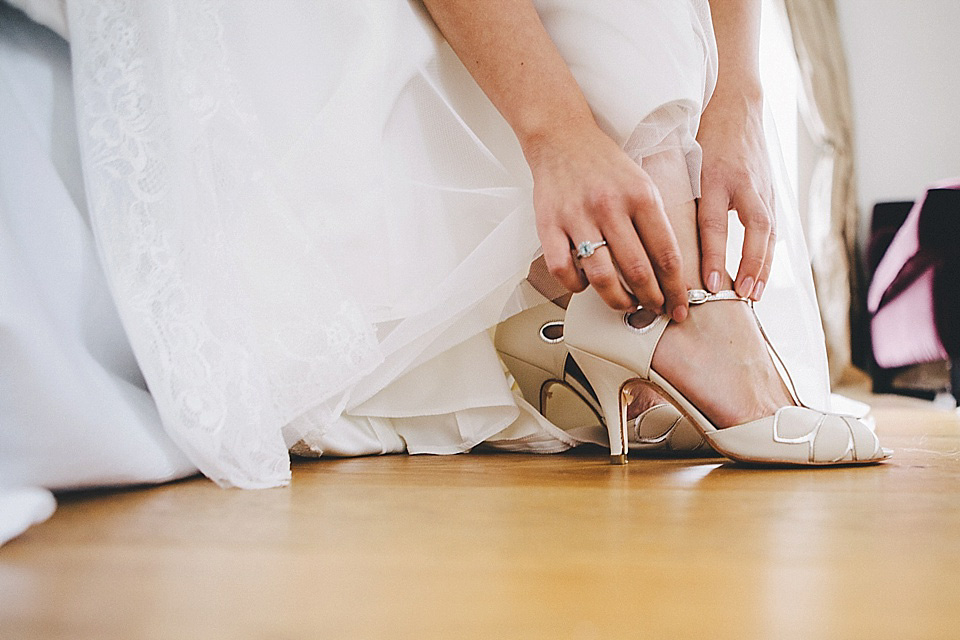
<point>736,176</point>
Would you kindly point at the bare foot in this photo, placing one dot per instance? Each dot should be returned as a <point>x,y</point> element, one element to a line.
<point>717,358</point>
<point>642,397</point>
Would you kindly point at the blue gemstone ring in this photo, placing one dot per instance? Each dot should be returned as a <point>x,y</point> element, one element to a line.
<point>586,249</point>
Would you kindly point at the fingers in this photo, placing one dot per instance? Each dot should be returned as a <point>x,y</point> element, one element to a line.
<point>641,262</point>
<point>560,264</point>
<point>764,276</point>
<point>660,243</point>
<point>645,253</point>
<point>602,273</point>
<point>595,192</point>
<point>758,230</point>
<point>712,223</point>
<point>600,269</point>
<point>630,259</point>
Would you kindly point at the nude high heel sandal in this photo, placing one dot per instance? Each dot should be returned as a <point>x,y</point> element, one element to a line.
<point>531,345</point>
<point>611,352</point>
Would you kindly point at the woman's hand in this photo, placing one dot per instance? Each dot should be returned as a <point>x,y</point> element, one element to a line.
<point>736,175</point>
<point>587,189</point>
<point>736,169</point>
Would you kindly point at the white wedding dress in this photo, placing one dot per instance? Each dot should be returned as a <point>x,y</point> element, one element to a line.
<point>308,217</point>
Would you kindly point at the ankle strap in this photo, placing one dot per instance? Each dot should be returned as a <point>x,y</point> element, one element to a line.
<point>699,296</point>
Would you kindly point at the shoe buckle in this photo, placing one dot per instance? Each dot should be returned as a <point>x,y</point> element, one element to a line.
<point>697,296</point>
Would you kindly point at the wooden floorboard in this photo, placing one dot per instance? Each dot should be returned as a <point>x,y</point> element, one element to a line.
<point>513,546</point>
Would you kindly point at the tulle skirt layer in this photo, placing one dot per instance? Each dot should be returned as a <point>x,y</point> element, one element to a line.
<point>310,216</point>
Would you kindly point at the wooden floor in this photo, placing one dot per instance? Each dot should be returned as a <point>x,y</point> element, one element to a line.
<point>513,546</point>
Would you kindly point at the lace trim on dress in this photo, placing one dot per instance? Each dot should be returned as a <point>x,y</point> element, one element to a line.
<point>218,322</point>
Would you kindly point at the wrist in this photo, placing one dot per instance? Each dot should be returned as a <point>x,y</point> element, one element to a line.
<point>744,89</point>
<point>541,135</point>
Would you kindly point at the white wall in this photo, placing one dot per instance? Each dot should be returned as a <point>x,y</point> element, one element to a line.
<point>904,62</point>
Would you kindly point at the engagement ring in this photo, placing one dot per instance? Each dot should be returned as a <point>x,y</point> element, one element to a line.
<point>586,248</point>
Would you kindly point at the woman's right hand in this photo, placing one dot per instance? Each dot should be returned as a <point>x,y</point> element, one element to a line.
<point>587,189</point>
<point>585,186</point>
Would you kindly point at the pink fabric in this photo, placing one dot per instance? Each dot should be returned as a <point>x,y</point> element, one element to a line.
<point>903,330</point>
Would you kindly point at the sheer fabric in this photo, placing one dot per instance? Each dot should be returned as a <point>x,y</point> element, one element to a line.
<point>74,408</point>
<point>309,215</point>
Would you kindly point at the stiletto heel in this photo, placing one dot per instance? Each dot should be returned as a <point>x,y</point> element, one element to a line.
<point>608,378</point>
<point>532,346</point>
<point>612,352</point>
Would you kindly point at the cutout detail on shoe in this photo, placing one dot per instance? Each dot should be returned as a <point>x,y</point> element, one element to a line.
<point>640,320</point>
<point>573,370</point>
<point>552,332</point>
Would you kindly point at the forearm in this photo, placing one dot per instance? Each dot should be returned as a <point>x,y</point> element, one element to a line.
<point>737,27</point>
<point>509,53</point>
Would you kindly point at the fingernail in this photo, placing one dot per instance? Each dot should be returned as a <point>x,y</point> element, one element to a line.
<point>758,290</point>
<point>746,287</point>
<point>679,314</point>
<point>713,281</point>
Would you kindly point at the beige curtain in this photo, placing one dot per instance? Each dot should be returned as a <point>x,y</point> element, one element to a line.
<point>826,110</point>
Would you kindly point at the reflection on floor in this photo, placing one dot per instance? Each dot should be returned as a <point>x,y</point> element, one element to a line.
<point>520,546</point>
